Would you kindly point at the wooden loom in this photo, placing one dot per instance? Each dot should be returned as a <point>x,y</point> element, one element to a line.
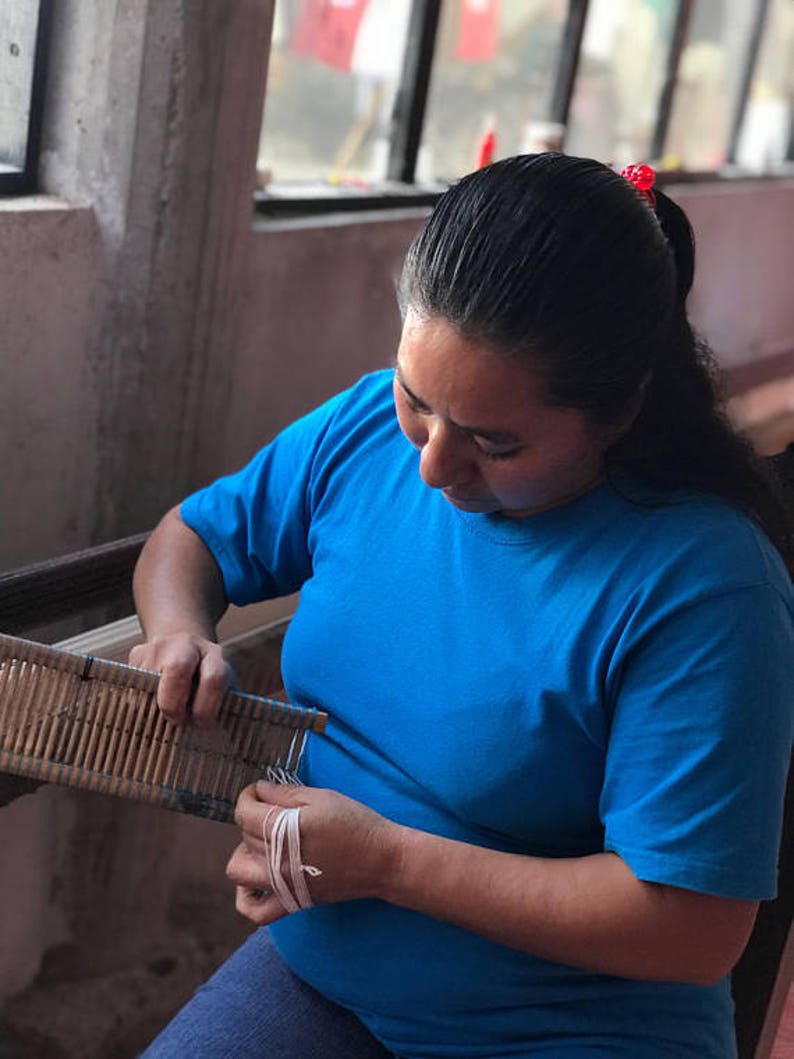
<point>86,722</point>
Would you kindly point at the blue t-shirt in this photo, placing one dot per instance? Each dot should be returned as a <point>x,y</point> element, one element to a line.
<point>612,674</point>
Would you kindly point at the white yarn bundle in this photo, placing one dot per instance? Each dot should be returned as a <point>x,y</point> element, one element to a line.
<point>286,828</point>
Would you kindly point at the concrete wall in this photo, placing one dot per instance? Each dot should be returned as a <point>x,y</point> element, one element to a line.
<point>154,335</point>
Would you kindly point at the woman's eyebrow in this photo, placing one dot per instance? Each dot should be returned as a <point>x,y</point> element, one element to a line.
<point>499,437</point>
<point>416,400</point>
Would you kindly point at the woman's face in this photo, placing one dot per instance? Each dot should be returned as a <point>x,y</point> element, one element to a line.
<point>486,436</point>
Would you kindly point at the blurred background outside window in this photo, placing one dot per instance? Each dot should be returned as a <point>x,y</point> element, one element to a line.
<point>619,80</point>
<point>336,69</point>
<point>18,28</point>
<point>767,135</point>
<point>493,71</point>
<point>708,85</point>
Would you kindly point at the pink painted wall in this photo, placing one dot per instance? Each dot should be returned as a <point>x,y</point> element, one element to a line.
<point>319,306</point>
<point>745,262</point>
<point>319,310</point>
<point>50,286</point>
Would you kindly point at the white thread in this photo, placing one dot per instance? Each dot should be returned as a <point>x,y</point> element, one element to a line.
<point>278,774</point>
<point>297,768</point>
<point>286,827</point>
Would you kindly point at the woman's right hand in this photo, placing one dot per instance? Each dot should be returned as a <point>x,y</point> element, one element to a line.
<point>193,675</point>
<point>179,595</point>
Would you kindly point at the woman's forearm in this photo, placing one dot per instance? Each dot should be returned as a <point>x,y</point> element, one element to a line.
<point>589,912</point>
<point>180,597</point>
<point>177,584</point>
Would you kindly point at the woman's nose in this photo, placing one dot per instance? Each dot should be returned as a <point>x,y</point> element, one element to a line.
<point>442,463</point>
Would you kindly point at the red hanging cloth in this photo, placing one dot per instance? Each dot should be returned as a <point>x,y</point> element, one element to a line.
<point>478,38</point>
<point>327,30</point>
<point>486,148</point>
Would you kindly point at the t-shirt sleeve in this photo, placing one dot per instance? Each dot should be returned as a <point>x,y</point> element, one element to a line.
<point>700,743</point>
<point>256,522</point>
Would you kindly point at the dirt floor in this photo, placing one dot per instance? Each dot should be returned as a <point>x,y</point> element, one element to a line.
<point>114,1016</point>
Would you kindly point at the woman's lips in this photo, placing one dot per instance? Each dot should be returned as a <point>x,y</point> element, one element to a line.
<point>458,498</point>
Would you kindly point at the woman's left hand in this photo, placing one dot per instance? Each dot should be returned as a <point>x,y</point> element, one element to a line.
<point>353,847</point>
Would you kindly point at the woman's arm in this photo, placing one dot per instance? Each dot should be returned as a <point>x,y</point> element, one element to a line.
<point>180,597</point>
<point>589,912</point>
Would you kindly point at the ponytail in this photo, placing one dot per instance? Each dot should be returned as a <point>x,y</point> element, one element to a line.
<point>681,239</point>
<point>681,433</point>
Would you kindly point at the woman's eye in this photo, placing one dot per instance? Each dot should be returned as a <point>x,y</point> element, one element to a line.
<point>500,454</point>
<point>413,406</point>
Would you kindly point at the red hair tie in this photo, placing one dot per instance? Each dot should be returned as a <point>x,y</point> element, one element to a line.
<point>643,178</point>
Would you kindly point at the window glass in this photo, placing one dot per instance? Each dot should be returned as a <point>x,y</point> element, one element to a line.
<point>708,84</point>
<point>767,135</point>
<point>334,70</point>
<point>620,79</point>
<point>493,73</point>
<point>18,24</point>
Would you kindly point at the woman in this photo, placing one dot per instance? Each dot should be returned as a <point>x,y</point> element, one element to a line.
<point>547,610</point>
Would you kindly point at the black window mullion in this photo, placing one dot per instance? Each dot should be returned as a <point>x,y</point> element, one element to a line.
<point>411,101</point>
<point>24,181</point>
<point>750,60</point>
<point>568,61</point>
<point>677,43</point>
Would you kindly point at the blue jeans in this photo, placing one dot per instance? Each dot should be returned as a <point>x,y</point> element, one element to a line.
<point>254,1007</point>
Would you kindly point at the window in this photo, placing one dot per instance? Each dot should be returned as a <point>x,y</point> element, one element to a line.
<point>379,101</point>
<point>765,138</point>
<point>333,77</point>
<point>620,78</point>
<point>494,72</point>
<point>22,43</point>
<point>709,84</point>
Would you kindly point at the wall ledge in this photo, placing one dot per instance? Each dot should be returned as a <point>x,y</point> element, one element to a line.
<point>342,219</point>
<point>39,204</point>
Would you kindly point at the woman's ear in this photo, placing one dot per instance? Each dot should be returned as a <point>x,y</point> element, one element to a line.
<point>609,433</point>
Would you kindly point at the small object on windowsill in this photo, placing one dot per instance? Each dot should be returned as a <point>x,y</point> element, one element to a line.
<point>339,180</point>
<point>670,163</point>
<point>264,176</point>
<point>540,136</point>
<point>487,147</point>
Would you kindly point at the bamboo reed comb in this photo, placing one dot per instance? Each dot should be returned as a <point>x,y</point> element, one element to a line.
<point>86,722</point>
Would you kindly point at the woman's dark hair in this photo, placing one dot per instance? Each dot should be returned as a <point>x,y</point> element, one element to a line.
<point>561,263</point>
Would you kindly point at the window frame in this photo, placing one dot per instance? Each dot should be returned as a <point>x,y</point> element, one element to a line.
<point>25,180</point>
<point>400,191</point>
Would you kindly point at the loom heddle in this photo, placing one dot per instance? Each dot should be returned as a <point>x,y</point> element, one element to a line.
<point>90,723</point>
